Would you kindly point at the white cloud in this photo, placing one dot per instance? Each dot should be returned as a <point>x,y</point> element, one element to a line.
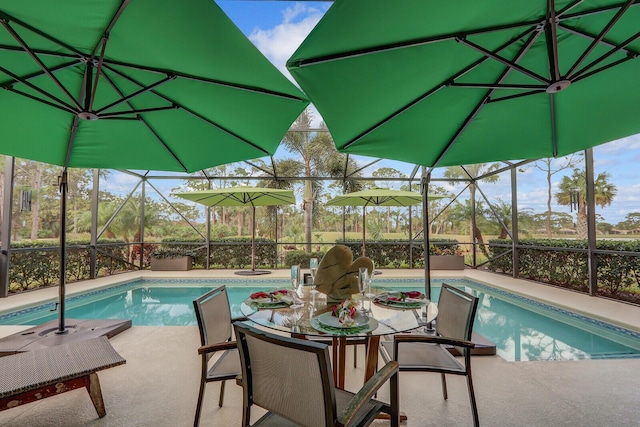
<point>279,43</point>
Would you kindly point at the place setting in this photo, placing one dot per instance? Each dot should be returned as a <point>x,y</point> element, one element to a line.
<point>344,319</point>
<point>280,298</point>
<point>401,299</point>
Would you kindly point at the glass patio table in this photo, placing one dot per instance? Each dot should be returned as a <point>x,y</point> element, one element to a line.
<point>313,320</point>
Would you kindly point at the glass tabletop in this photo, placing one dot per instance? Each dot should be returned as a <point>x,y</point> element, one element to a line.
<point>313,316</point>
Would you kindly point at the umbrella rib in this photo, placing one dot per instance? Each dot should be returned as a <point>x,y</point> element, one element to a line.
<point>107,31</point>
<point>69,109</point>
<point>577,32</point>
<point>4,22</point>
<point>497,86</point>
<point>24,79</point>
<point>606,55</point>
<point>502,60</point>
<point>216,82</point>
<point>603,68</point>
<point>600,37</point>
<point>222,128</point>
<point>552,41</point>
<point>117,114</point>
<point>168,78</point>
<point>62,105</point>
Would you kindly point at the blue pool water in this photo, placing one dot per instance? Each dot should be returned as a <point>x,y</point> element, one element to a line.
<point>522,329</point>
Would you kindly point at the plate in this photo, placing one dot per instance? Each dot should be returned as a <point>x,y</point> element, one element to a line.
<point>372,325</point>
<point>269,303</point>
<point>327,319</point>
<point>407,303</point>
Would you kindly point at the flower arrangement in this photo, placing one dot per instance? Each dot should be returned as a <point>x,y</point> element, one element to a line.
<point>345,312</point>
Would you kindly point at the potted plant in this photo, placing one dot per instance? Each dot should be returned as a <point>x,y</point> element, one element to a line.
<point>164,259</point>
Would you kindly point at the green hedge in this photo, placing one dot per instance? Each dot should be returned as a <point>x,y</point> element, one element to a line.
<point>617,273</point>
<point>301,258</point>
<point>395,253</point>
<point>39,265</point>
<point>228,253</point>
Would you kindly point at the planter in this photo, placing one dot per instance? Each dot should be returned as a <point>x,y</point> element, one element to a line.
<point>182,263</point>
<point>446,262</point>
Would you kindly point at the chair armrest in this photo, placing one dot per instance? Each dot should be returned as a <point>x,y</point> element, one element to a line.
<point>239,319</point>
<point>434,339</point>
<point>367,392</point>
<point>229,345</point>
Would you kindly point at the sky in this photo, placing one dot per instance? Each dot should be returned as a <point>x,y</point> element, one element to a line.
<point>278,27</point>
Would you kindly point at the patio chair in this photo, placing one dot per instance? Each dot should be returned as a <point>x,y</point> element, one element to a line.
<point>291,378</point>
<point>430,353</point>
<point>214,322</point>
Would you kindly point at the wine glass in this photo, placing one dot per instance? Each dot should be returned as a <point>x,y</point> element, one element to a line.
<point>295,277</point>
<point>295,282</point>
<point>370,294</point>
<point>363,278</point>
<point>313,268</point>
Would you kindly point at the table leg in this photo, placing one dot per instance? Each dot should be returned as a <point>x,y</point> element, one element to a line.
<point>371,366</point>
<point>342,360</point>
<point>371,362</point>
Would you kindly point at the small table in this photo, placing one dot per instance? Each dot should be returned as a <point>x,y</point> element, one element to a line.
<point>298,323</point>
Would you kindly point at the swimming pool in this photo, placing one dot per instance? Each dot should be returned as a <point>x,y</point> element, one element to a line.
<point>521,328</point>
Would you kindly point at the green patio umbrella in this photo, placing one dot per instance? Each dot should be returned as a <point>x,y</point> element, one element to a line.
<point>460,82</point>
<point>243,196</point>
<point>145,84</point>
<point>377,197</point>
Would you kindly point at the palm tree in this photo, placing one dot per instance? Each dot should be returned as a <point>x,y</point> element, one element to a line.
<point>550,167</point>
<point>318,156</point>
<point>472,172</point>
<point>576,184</point>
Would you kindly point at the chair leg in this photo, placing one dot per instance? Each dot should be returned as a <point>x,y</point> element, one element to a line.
<point>221,399</point>
<point>472,398</point>
<point>444,386</point>
<point>196,421</point>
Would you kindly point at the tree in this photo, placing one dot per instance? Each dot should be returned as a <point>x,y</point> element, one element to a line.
<point>551,167</point>
<point>472,172</point>
<point>576,185</point>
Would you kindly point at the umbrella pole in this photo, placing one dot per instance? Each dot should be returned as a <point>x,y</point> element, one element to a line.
<point>425,232</point>
<point>364,226</point>
<point>62,182</point>
<point>253,239</point>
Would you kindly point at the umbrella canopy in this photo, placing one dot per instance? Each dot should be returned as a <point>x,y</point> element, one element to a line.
<point>146,84</point>
<point>377,197</point>
<point>463,82</point>
<point>243,196</point>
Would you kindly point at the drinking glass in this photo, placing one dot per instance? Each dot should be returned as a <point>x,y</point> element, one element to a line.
<point>313,267</point>
<point>370,294</point>
<point>295,277</point>
<point>363,278</point>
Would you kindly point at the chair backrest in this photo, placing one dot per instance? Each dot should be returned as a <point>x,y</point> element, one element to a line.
<point>214,316</point>
<point>287,376</point>
<point>456,312</point>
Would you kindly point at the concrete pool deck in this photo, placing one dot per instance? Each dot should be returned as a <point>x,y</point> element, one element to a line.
<point>158,386</point>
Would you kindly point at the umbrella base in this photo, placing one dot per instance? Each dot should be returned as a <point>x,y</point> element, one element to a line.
<point>252,272</point>
<point>45,335</point>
